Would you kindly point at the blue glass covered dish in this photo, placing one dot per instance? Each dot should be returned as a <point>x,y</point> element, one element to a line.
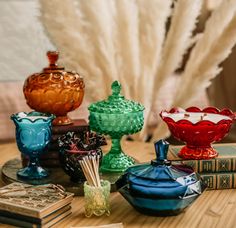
<point>160,188</point>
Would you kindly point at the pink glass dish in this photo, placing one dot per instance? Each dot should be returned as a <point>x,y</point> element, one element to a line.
<point>198,129</point>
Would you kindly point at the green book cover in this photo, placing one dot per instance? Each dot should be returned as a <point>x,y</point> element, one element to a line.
<point>221,181</point>
<point>225,162</point>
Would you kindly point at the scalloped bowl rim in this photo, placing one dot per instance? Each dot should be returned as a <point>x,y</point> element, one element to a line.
<point>210,110</point>
<point>21,116</point>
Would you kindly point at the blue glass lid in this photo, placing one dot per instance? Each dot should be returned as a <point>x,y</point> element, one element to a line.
<point>161,169</point>
<point>162,179</point>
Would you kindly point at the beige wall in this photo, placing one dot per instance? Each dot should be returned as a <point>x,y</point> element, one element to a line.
<point>23,45</point>
<point>23,42</point>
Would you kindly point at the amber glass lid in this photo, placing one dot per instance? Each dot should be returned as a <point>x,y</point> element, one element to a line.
<point>57,73</point>
<point>52,58</point>
<point>54,68</point>
<point>116,103</point>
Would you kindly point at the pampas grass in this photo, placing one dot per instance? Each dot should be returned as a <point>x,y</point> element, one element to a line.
<point>78,43</point>
<point>212,48</point>
<point>126,40</point>
<point>127,44</point>
<point>152,28</point>
<point>100,31</point>
<point>178,40</point>
<point>203,65</point>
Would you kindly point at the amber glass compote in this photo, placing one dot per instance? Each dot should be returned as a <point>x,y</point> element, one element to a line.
<point>54,90</point>
<point>116,117</point>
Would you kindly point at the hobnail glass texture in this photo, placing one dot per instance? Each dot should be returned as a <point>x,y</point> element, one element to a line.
<point>97,199</point>
<point>54,90</point>
<point>199,136</point>
<point>33,134</point>
<point>116,117</point>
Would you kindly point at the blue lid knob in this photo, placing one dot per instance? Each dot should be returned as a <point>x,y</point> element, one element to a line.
<point>161,149</point>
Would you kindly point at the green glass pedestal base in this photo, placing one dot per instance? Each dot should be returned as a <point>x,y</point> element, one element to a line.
<point>116,162</point>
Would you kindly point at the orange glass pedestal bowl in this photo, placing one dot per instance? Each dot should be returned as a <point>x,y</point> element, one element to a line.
<point>198,129</point>
<point>54,90</point>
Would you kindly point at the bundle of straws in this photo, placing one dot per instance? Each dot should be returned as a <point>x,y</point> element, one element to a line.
<point>90,167</point>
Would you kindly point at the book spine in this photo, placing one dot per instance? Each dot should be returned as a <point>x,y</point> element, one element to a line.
<point>219,181</point>
<point>18,223</point>
<point>212,166</point>
<point>78,126</point>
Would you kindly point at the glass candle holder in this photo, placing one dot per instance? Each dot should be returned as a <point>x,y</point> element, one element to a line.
<point>33,134</point>
<point>97,199</point>
<point>198,128</point>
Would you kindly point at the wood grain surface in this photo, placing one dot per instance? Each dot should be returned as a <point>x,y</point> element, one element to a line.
<point>212,209</point>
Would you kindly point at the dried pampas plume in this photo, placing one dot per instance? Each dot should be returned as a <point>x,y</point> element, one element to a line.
<point>178,40</point>
<point>203,65</point>
<point>152,28</point>
<point>127,44</point>
<point>212,48</point>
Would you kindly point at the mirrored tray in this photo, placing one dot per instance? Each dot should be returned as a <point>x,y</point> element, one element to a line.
<point>57,176</point>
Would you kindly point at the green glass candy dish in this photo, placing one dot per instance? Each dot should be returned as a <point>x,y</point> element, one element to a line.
<point>116,117</point>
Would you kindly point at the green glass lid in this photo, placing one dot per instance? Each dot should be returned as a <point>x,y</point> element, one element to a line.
<point>116,103</point>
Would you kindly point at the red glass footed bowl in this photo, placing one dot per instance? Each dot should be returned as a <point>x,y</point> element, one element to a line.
<point>198,129</point>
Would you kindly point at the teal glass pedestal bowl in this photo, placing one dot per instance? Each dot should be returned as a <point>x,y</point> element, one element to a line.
<point>33,134</point>
<point>116,117</point>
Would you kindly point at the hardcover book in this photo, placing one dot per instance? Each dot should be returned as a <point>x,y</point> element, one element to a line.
<point>79,125</point>
<point>215,181</point>
<point>34,201</point>
<point>33,220</point>
<point>225,162</point>
<point>22,223</point>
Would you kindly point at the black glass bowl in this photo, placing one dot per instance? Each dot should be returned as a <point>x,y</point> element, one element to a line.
<point>73,148</point>
<point>69,160</point>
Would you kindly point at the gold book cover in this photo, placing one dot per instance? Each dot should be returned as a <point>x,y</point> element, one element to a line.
<point>35,201</point>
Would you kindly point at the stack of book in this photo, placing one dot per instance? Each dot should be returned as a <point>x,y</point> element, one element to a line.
<point>51,157</point>
<point>217,173</point>
<point>25,205</point>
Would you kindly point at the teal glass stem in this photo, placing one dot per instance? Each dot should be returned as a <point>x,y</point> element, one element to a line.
<point>33,134</point>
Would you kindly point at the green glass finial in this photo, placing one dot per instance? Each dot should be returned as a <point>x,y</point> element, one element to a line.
<point>116,88</point>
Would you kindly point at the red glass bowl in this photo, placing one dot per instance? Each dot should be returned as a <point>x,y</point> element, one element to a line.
<point>198,129</point>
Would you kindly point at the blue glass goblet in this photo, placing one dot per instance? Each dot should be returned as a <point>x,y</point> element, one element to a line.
<point>33,134</point>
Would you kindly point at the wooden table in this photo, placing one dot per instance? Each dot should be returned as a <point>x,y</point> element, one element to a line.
<point>212,209</point>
